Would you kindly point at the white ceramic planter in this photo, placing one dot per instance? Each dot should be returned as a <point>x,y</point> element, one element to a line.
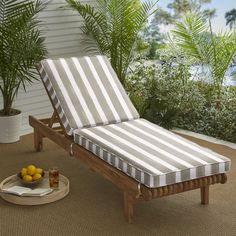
<point>10,128</point>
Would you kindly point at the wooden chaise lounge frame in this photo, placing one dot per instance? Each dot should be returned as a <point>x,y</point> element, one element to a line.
<point>133,191</point>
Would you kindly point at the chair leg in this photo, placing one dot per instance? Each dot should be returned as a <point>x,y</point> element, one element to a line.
<point>38,141</point>
<point>128,207</point>
<point>205,195</point>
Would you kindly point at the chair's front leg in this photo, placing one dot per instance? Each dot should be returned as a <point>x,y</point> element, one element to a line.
<point>38,141</point>
<point>205,195</point>
<point>128,206</point>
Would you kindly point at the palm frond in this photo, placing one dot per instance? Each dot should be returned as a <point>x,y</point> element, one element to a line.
<point>197,39</point>
<point>189,35</point>
<point>225,50</point>
<point>21,46</point>
<point>114,25</point>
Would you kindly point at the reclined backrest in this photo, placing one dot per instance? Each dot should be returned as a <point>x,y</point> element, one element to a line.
<point>86,92</point>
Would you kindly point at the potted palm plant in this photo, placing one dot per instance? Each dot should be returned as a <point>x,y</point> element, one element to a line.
<point>21,48</point>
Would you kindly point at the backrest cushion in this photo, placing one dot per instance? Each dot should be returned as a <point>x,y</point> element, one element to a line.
<point>86,92</point>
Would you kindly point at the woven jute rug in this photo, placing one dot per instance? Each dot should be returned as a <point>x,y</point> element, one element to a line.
<point>94,206</point>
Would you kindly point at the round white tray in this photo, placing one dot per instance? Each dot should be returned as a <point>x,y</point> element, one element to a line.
<point>61,192</point>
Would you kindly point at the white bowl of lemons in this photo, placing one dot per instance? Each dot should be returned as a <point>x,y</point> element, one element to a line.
<point>31,175</point>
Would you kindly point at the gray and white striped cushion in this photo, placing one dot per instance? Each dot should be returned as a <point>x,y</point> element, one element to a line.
<point>86,92</point>
<point>150,154</point>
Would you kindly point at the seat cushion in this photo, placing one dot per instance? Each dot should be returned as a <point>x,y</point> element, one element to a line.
<point>86,92</point>
<point>150,154</point>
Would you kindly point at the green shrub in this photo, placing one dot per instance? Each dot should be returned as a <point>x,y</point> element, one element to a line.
<point>165,95</point>
<point>161,93</point>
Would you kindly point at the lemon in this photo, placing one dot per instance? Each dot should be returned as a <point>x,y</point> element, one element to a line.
<point>37,176</point>
<point>31,170</point>
<point>23,172</point>
<point>39,171</point>
<point>27,178</point>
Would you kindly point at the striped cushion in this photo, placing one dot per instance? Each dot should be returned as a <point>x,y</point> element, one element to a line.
<point>86,92</point>
<point>150,154</point>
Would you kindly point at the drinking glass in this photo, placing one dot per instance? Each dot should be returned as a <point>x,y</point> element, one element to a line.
<point>54,177</point>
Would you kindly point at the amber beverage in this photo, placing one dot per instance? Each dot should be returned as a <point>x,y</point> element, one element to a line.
<point>54,177</point>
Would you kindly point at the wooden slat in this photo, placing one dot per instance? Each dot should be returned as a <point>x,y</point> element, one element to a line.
<point>189,185</point>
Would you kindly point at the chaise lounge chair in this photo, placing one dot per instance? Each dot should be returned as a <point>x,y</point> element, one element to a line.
<point>99,125</point>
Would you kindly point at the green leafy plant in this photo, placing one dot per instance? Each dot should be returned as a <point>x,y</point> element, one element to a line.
<point>195,37</point>
<point>164,95</point>
<point>211,120</point>
<point>139,83</point>
<point>21,48</point>
<point>114,26</point>
<point>162,92</point>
